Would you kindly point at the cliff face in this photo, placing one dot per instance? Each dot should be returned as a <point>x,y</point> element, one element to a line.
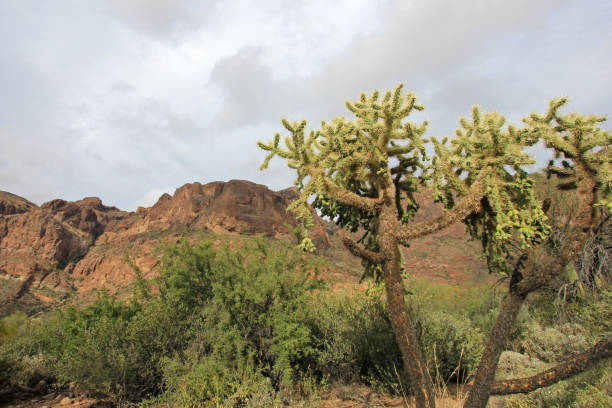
<point>13,204</point>
<point>62,246</point>
<point>236,206</point>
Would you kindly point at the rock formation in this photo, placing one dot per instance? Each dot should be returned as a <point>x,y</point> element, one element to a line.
<point>12,204</point>
<point>62,246</point>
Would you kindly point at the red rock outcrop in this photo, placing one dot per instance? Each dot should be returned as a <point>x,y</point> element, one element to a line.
<point>49,251</point>
<point>13,204</point>
<point>236,206</point>
<point>84,245</point>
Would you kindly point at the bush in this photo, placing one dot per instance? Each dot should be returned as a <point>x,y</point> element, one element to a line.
<point>356,342</point>
<point>517,365</point>
<point>95,347</point>
<point>243,310</point>
<point>552,344</point>
<point>229,328</point>
<point>205,381</point>
<point>257,313</point>
<point>451,324</point>
<point>9,326</point>
<point>452,346</point>
<point>591,389</point>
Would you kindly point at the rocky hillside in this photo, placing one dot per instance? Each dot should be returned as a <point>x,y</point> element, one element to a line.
<point>12,204</point>
<point>64,247</point>
<point>61,247</point>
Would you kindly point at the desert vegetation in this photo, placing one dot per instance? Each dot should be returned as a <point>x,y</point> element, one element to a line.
<point>254,324</point>
<point>365,172</point>
<point>258,328</point>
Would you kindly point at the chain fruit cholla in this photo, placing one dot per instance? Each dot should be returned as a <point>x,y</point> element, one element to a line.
<point>365,172</point>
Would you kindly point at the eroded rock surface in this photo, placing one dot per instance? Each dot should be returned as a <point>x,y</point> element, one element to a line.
<point>63,246</point>
<point>13,204</point>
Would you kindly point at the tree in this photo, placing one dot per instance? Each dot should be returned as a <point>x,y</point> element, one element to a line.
<point>364,173</point>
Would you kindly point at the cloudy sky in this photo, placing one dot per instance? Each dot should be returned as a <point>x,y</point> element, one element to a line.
<point>127,99</point>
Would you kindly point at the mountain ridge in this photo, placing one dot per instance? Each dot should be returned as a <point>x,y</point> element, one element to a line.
<point>61,247</point>
<point>69,248</point>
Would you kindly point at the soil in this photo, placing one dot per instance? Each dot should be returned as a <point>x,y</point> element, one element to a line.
<point>54,400</point>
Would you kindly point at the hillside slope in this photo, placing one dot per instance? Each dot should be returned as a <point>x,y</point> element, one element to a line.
<point>61,248</point>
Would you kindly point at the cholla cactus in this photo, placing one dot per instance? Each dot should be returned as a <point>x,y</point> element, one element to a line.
<point>344,162</point>
<point>364,173</point>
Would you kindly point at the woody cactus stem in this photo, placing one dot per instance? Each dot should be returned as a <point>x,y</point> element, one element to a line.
<point>388,257</point>
<point>405,333</point>
<point>563,371</point>
<point>535,276</point>
<point>478,395</point>
<point>364,173</point>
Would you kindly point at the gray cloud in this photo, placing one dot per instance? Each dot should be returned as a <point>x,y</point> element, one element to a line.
<point>120,86</point>
<point>162,19</point>
<point>425,44</point>
<point>126,99</point>
<point>250,91</point>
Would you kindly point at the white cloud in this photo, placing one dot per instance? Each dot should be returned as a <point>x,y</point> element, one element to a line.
<point>116,99</point>
<point>163,19</point>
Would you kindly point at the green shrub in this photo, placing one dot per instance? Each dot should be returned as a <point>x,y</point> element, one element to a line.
<point>591,389</point>
<point>542,339</point>
<point>356,342</point>
<point>257,314</point>
<point>451,323</point>
<point>96,347</point>
<point>230,328</point>
<point>452,346</point>
<point>244,310</point>
<point>516,365</point>
<point>552,344</point>
<point>202,381</point>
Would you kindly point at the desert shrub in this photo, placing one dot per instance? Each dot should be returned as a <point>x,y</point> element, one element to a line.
<point>206,381</point>
<point>252,330</point>
<point>478,304</point>
<point>595,389</point>
<point>96,347</point>
<point>543,338</point>
<point>552,344</point>
<point>451,344</point>
<point>244,310</point>
<point>8,369</point>
<point>227,327</point>
<point>451,324</point>
<point>593,311</point>
<point>356,342</point>
<point>512,364</point>
<point>9,326</point>
<point>257,312</point>
<point>591,389</point>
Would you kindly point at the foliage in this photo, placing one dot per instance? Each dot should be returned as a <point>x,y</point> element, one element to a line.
<point>9,325</point>
<point>235,314</point>
<point>364,173</point>
<point>355,155</point>
<point>356,342</point>
<point>255,313</point>
<point>551,344</point>
<point>591,389</point>
<point>206,381</point>
<point>254,330</point>
<point>542,341</point>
